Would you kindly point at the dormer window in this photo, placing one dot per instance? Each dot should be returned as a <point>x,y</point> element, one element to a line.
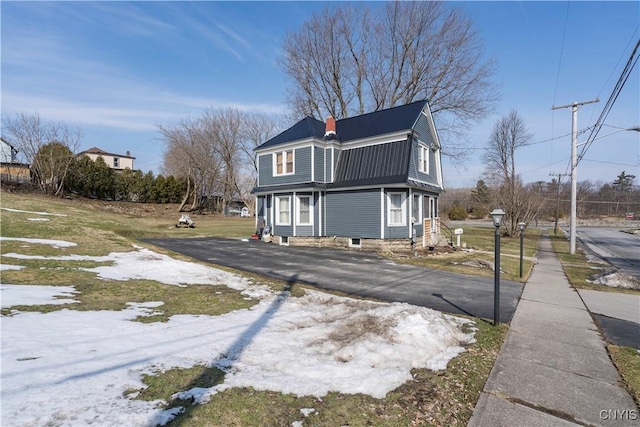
<point>284,163</point>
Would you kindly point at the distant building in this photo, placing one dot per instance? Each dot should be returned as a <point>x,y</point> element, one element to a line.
<point>10,169</point>
<point>119,162</point>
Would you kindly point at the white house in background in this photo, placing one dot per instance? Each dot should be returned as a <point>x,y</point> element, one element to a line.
<point>10,169</point>
<point>7,152</point>
<point>118,162</point>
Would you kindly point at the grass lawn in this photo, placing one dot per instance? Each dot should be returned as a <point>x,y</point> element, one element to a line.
<point>479,259</point>
<point>431,398</point>
<point>579,271</point>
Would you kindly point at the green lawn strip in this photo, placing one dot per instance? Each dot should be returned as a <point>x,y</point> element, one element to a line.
<point>483,239</point>
<point>431,398</point>
<point>627,360</point>
<point>480,261</point>
<point>579,270</point>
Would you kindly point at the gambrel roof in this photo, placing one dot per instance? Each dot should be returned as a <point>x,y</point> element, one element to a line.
<point>380,148</point>
<point>354,128</point>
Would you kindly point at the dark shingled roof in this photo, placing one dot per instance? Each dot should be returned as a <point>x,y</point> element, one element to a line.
<point>379,122</point>
<point>305,128</point>
<point>367,125</point>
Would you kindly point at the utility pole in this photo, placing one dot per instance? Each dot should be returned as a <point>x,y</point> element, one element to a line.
<point>555,226</point>
<point>574,168</point>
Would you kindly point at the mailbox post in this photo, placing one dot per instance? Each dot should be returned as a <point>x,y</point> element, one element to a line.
<point>458,232</point>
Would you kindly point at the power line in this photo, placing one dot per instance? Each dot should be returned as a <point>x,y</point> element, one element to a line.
<point>555,90</point>
<point>612,163</point>
<point>619,60</point>
<point>624,76</point>
<point>580,132</point>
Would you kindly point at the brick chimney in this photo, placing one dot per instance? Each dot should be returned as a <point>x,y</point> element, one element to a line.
<point>330,130</point>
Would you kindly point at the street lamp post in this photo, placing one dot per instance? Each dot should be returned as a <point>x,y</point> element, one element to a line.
<point>497,215</point>
<point>521,226</point>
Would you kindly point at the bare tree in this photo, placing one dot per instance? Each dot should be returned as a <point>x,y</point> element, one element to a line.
<point>350,60</point>
<point>215,153</point>
<point>258,128</point>
<point>189,154</point>
<point>47,146</point>
<point>509,134</point>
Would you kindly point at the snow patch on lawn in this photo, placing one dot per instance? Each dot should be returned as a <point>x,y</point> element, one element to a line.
<point>10,267</point>
<point>32,212</point>
<point>616,279</point>
<point>12,295</point>
<point>53,243</point>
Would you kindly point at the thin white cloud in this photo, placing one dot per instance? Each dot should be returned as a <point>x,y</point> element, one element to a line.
<point>128,18</point>
<point>60,84</point>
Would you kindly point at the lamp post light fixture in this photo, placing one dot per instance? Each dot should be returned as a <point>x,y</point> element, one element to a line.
<point>497,215</point>
<point>521,226</point>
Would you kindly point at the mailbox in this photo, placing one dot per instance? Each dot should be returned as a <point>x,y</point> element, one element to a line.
<point>457,232</point>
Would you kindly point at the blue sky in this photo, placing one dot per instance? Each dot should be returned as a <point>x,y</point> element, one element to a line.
<point>117,70</point>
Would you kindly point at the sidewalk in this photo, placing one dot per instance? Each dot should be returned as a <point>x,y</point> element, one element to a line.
<point>553,368</point>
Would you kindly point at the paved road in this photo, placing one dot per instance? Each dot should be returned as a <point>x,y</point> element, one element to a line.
<point>617,314</point>
<point>622,250</point>
<point>356,273</point>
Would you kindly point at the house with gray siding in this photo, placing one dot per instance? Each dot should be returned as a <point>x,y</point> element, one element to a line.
<point>370,181</point>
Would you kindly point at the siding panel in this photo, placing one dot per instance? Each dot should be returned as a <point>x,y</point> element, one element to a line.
<point>353,214</point>
<point>425,137</point>
<point>302,169</point>
<point>319,168</point>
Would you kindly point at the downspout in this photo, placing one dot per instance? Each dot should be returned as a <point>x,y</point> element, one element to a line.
<point>294,212</point>
<point>273,208</point>
<point>410,212</point>
<point>381,212</point>
<point>320,216</point>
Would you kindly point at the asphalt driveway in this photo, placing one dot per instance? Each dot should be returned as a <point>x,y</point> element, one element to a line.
<point>355,273</point>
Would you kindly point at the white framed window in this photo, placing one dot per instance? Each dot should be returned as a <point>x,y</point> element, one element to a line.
<point>283,163</point>
<point>423,164</point>
<point>355,242</point>
<point>283,210</point>
<point>416,209</point>
<point>304,216</point>
<point>116,162</point>
<point>284,240</point>
<point>396,209</point>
